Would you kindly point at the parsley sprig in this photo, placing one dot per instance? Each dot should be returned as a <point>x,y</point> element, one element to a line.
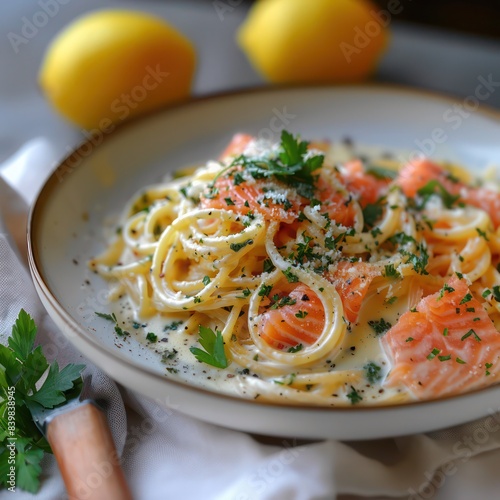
<point>30,382</point>
<point>213,344</point>
<point>292,165</point>
<point>434,187</point>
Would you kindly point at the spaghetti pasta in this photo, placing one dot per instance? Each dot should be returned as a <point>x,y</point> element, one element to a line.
<point>299,277</point>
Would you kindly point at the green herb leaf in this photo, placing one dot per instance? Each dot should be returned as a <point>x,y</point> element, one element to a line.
<point>372,372</point>
<point>292,278</point>
<point>152,337</point>
<point>372,213</point>
<point>380,326</point>
<point>297,348</point>
<point>23,335</point>
<point>354,396</point>
<point>56,384</point>
<point>434,187</point>
<point>236,247</point>
<point>213,344</point>
<point>22,369</point>
<point>381,172</point>
<point>391,271</point>
<point>433,353</point>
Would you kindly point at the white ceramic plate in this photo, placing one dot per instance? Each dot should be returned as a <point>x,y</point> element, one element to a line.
<point>65,230</point>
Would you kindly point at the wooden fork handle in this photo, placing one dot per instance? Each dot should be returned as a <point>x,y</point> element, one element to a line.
<point>86,455</point>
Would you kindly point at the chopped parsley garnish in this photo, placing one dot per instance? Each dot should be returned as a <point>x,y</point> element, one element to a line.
<point>446,288</point>
<point>331,243</point>
<point>111,317</point>
<point>236,247</point>
<point>292,278</point>
<point>469,333</point>
<point>213,344</point>
<point>297,348</point>
<point>488,366</point>
<point>402,239</point>
<point>304,249</point>
<point>239,179</point>
<point>467,298</point>
<point>460,361</point>
<point>380,326</point>
<point>381,172</point>
<point>301,314</point>
<point>372,213</point>
<point>206,280</point>
<point>292,165</point>
<point>265,290</point>
<point>445,332</point>
<point>168,355</point>
<point>482,234</point>
<point>409,339</point>
<point>372,372</point>
<point>282,302</point>
<point>290,380</point>
<point>496,293</point>
<point>444,358</point>
<point>229,201</point>
<point>434,187</point>
<point>391,272</point>
<point>354,396</point>
<point>268,266</point>
<point>246,293</point>
<point>172,326</point>
<point>486,293</point>
<point>433,353</point>
<point>419,262</point>
<point>152,337</point>
<point>108,317</point>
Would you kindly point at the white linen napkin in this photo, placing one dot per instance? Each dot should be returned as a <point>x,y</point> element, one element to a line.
<point>167,455</point>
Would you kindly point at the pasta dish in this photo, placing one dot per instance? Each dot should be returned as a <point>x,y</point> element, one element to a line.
<point>281,274</point>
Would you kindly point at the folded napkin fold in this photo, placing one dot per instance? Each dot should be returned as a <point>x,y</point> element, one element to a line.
<point>168,455</point>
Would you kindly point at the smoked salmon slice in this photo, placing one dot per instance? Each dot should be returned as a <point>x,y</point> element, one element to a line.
<point>237,145</point>
<point>352,281</point>
<point>446,345</point>
<point>415,175</point>
<point>367,188</point>
<point>294,316</point>
<point>250,197</point>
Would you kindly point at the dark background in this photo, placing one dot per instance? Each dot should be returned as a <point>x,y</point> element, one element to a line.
<point>480,17</point>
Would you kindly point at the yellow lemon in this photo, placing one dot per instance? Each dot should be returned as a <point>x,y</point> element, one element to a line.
<point>112,64</point>
<point>291,41</point>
